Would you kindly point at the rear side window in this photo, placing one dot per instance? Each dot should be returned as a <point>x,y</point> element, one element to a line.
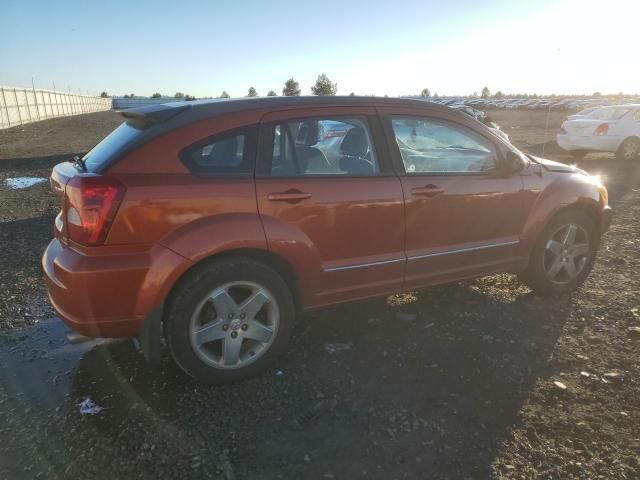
<point>107,149</point>
<point>323,146</point>
<point>229,153</point>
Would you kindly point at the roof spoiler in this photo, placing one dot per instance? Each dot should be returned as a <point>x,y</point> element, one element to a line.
<point>143,117</point>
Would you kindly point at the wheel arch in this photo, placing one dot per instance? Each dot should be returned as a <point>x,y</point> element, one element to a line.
<point>587,206</point>
<point>280,265</point>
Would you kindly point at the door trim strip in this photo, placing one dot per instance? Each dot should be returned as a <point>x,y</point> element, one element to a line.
<point>418,257</point>
<point>463,250</point>
<point>364,265</point>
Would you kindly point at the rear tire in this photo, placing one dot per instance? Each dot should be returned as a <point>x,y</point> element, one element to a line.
<point>229,319</point>
<point>564,255</point>
<point>629,150</point>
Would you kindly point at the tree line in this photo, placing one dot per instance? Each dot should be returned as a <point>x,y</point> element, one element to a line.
<point>325,87</point>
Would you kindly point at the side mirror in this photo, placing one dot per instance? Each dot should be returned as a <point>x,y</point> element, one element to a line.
<point>513,163</point>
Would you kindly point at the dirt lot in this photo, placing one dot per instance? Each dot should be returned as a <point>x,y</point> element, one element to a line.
<point>452,382</point>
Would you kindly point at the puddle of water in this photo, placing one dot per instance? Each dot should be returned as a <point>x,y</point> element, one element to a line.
<point>37,369</point>
<point>40,371</point>
<point>24,182</point>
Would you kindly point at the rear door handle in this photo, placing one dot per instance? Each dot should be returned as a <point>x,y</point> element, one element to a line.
<point>427,191</point>
<point>290,196</point>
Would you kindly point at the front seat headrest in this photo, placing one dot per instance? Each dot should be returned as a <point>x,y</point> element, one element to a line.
<point>355,143</point>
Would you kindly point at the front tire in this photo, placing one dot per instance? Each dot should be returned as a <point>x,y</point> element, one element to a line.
<point>629,150</point>
<point>229,319</point>
<point>564,255</point>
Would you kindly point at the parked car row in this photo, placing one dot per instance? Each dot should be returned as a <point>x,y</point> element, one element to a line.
<point>525,103</point>
<point>483,118</point>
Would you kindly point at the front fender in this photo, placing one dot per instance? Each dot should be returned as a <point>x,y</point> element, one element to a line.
<point>564,191</point>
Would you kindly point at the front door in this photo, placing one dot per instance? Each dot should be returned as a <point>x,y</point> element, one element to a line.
<point>463,217</point>
<point>330,203</point>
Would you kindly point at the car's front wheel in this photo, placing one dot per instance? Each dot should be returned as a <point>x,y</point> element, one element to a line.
<point>629,150</point>
<point>564,255</point>
<point>229,319</point>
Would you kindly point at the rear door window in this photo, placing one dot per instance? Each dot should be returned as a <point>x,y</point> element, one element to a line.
<point>323,146</point>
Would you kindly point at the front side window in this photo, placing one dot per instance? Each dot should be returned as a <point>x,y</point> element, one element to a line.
<point>323,146</point>
<point>434,146</point>
<point>226,153</point>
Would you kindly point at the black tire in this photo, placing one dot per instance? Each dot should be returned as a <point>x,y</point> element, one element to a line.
<point>195,287</point>
<point>629,150</point>
<point>535,276</point>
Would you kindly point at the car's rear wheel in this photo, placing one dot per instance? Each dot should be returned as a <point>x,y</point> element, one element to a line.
<point>629,150</point>
<point>229,319</point>
<point>564,255</point>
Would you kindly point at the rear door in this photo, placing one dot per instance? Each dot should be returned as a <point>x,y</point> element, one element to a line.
<point>330,202</point>
<point>463,218</point>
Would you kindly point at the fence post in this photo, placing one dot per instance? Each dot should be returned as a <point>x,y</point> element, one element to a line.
<point>50,103</point>
<point>6,109</point>
<point>35,100</point>
<point>15,95</point>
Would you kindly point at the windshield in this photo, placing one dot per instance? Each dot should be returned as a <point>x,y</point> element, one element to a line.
<point>113,143</point>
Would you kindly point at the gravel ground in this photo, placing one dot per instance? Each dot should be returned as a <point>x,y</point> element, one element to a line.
<point>457,381</point>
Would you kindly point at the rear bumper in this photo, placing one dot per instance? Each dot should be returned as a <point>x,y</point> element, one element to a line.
<point>602,144</point>
<point>106,295</point>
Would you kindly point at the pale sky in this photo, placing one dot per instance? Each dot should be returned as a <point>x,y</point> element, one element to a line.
<point>366,46</point>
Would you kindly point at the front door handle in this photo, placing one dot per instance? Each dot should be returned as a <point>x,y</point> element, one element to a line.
<point>290,196</point>
<point>427,191</point>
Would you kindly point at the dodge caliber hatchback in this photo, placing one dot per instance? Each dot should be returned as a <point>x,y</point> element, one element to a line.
<point>211,224</point>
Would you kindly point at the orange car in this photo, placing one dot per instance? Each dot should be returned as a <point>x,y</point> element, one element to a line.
<point>212,223</point>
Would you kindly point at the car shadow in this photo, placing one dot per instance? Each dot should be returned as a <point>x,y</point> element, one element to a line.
<point>427,384</point>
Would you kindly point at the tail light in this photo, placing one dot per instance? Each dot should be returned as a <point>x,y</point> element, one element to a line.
<point>602,129</point>
<point>91,203</point>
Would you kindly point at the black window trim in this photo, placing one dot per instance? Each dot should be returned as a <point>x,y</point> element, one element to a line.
<point>396,156</point>
<point>376,133</point>
<point>250,133</point>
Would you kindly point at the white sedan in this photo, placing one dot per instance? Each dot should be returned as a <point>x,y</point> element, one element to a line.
<point>613,129</point>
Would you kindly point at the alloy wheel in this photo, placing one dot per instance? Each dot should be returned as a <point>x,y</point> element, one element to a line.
<point>566,253</point>
<point>234,325</point>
